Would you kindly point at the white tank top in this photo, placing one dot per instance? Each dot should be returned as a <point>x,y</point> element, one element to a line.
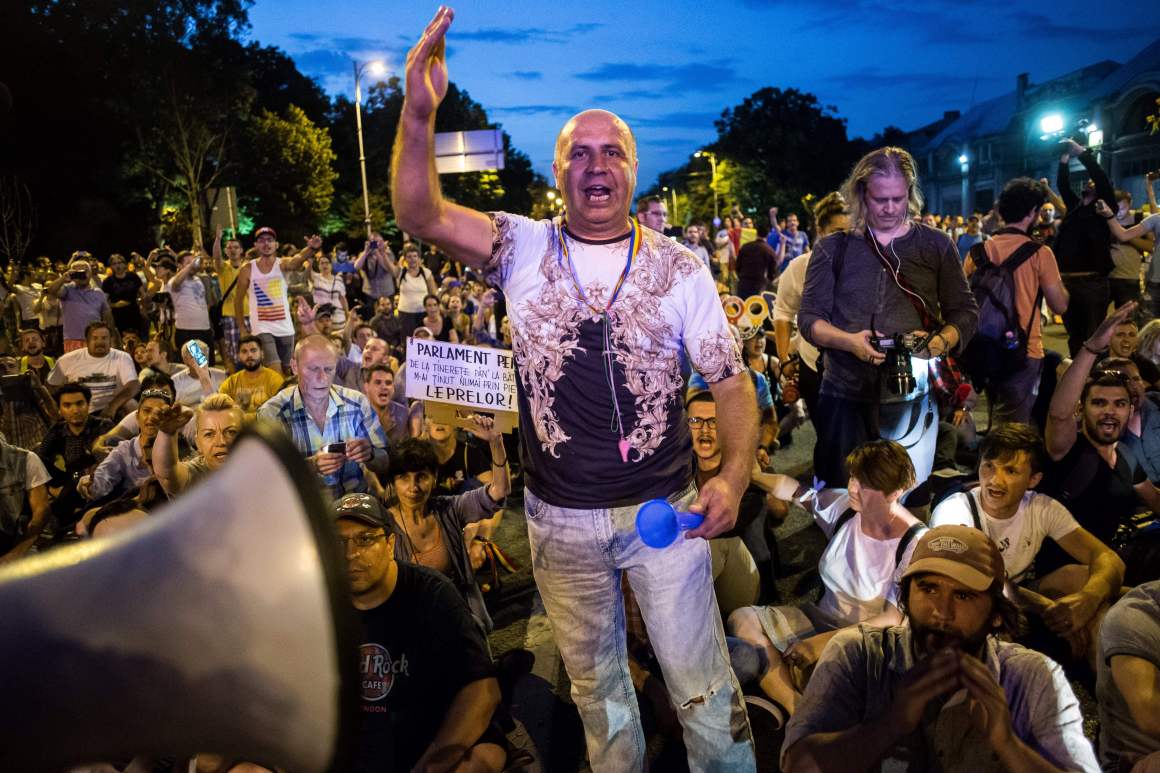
<point>269,302</point>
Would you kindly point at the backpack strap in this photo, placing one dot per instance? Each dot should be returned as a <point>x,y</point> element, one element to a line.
<point>843,519</point>
<point>914,530</point>
<point>974,510</point>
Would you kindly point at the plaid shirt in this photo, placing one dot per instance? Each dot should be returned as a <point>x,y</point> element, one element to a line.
<point>349,415</point>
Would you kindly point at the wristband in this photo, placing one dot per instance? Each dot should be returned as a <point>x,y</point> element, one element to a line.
<point>1096,352</point>
<point>494,463</point>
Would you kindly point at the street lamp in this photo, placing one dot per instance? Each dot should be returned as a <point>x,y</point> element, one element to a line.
<point>673,192</point>
<point>713,180</point>
<point>374,68</point>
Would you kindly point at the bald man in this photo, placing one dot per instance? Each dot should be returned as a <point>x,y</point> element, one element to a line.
<point>334,427</point>
<point>601,311</point>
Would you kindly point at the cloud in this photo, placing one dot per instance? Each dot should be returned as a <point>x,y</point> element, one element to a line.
<point>634,94</point>
<point>563,110</point>
<point>872,79</point>
<point>695,75</point>
<point>323,61</point>
<point>675,120</point>
<point>519,35</point>
<point>1042,27</point>
<point>528,75</point>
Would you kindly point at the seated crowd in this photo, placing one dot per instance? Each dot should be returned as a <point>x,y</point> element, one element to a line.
<point>965,585</point>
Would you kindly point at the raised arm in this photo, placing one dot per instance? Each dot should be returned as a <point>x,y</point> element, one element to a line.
<point>241,290</point>
<point>420,208</point>
<point>313,245</point>
<point>1053,197</point>
<point>1061,427</point>
<point>171,472</point>
<point>1139,230</point>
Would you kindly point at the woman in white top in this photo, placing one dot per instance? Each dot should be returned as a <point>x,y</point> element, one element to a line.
<point>871,537</point>
<point>415,283</point>
<point>329,288</point>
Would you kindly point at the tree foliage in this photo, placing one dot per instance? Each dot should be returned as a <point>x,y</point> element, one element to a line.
<point>136,108</point>
<point>288,177</point>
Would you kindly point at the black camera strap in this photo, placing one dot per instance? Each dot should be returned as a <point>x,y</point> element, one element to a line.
<point>928,321</point>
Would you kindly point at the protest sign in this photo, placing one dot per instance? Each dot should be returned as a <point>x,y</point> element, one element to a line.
<point>449,378</point>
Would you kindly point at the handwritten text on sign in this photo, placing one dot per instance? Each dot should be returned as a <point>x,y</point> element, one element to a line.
<point>462,375</point>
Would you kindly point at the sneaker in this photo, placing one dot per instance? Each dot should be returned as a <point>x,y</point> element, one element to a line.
<point>767,720</point>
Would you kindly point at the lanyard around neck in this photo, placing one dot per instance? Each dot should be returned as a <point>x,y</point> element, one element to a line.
<point>634,241</point>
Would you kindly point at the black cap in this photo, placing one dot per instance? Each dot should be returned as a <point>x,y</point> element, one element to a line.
<point>326,309</point>
<point>361,507</point>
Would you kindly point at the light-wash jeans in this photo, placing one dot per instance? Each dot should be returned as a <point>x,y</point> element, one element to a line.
<point>577,558</point>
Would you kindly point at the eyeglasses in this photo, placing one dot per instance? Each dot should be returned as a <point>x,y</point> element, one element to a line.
<point>361,541</point>
<point>696,421</point>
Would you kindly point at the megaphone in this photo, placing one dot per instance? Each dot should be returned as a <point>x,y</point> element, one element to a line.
<point>734,307</point>
<point>757,309</point>
<point>222,624</point>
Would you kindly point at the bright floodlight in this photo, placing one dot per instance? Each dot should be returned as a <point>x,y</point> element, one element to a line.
<point>963,158</point>
<point>551,195</point>
<point>1050,124</point>
<point>1095,137</point>
<point>377,67</point>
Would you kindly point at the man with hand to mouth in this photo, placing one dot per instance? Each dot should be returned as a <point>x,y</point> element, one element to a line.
<point>942,693</point>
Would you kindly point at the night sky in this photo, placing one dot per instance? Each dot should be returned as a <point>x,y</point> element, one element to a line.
<point>670,67</point>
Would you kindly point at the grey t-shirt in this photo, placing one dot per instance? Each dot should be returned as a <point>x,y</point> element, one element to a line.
<point>861,668</point>
<point>1132,627</point>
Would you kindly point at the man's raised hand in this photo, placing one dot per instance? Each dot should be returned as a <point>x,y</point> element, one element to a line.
<point>426,73</point>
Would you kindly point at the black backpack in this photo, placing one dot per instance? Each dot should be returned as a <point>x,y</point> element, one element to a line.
<point>999,346</point>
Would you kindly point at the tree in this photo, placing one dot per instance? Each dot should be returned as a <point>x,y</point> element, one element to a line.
<point>17,219</point>
<point>789,144</point>
<point>288,178</point>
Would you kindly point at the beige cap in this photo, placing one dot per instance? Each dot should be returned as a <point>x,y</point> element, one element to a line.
<point>962,553</point>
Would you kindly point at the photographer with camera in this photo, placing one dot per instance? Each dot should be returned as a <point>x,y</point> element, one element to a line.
<point>80,302</point>
<point>881,299</point>
<point>378,270</point>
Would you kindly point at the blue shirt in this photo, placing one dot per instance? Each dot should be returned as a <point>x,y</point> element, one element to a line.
<point>1145,449</point>
<point>349,415</point>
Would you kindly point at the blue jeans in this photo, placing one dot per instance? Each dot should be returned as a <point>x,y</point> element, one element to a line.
<point>577,558</point>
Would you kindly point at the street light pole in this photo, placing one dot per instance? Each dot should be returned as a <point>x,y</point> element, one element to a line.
<point>362,156</point>
<point>712,180</point>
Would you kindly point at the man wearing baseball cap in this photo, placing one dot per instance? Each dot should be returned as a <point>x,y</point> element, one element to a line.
<point>429,690</point>
<point>264,284</point>
<point>940,691</point>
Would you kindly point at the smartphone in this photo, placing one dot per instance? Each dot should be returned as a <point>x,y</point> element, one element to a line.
<point>78,276</point>
<point>198,354</point>
<point>336,448</point>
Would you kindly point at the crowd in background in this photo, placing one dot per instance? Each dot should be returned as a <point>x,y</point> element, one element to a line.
<point>127,378</point>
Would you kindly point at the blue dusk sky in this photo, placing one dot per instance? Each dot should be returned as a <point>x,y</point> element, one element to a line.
<point>670,68</point>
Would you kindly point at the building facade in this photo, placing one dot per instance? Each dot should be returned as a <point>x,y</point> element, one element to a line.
<point>964,160</point>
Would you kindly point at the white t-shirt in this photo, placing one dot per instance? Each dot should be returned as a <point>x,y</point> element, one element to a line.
<point>331,291</point>
<point>412,291</point>
<point>789,302</point>
<point>189,388</point>
<point>858,571</point>
<point>189,309</point>
<point>104,376</point>
<point>1018,537</point>
<point>666,311</point>
<point>35,473</point>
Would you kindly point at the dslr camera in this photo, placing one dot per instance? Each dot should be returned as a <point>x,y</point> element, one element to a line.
<point>897,370</point>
